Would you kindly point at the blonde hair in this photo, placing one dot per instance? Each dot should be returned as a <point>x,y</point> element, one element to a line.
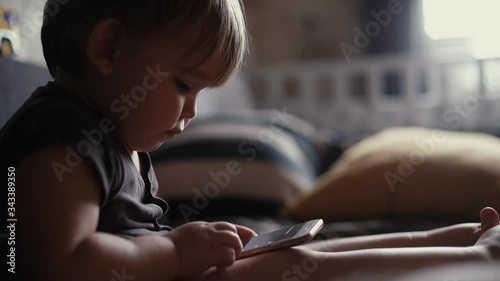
<point>65,34</point>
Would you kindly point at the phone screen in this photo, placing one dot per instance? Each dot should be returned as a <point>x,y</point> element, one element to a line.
<point>271,237</point>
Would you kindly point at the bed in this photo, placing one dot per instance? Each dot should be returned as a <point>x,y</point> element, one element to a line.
<point>298,120</point>
<point>267,169</point>
<point>318,141</point>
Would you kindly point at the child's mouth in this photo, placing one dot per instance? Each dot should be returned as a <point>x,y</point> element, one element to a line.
<point>172,133</point>
<point>177,130</point>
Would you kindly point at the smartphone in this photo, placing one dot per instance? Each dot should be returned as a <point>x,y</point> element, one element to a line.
<point>280,239</point>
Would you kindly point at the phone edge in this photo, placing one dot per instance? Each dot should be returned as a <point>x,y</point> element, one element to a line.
<point>288,244</point>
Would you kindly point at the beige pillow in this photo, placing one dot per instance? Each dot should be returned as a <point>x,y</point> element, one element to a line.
<point>408,173</point>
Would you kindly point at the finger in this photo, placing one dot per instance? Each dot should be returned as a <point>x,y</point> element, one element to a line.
<point>227,257</point>
<point>245,232</point>
<point>489,218</point>
<point>229,239</point>
<point>221,225</point>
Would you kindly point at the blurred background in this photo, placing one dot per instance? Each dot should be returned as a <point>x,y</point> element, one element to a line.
<point>351,67</point>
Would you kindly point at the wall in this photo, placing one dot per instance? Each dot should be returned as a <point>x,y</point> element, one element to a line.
<point>17,82</point>
<point>285,31</point>
<point>30,14</point>
<point>282,30</point>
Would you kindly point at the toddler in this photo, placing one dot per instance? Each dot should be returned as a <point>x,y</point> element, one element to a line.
<point>127,75</point>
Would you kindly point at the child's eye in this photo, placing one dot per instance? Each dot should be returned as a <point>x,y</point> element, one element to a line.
<point>183,87</point>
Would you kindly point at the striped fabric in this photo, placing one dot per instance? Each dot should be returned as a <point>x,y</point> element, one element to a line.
<point>263,155</point>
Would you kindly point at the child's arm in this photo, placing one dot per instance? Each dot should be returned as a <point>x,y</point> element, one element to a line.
<point>369,264</point>
<point>57,238</point>
<point>300,264</point>
<point>457,235</point>
<point>295,264</point>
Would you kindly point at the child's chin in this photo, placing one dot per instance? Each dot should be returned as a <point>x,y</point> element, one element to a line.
<point>153,147</point>
<point>148,147</point>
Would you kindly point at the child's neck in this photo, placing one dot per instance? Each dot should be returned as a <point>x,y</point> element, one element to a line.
<point>67,82</point>
<point>75,88</point>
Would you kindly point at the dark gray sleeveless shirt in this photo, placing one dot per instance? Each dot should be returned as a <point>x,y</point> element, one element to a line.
<point>128,206</point>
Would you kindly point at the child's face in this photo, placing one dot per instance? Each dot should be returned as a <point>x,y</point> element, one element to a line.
<point>151,95</point>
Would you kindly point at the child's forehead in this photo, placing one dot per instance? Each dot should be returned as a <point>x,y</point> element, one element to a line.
<point>211,43</point>
<point>181,37</point>
<point>194,51</point>
<point>206,71</point>
<point>199,72</point>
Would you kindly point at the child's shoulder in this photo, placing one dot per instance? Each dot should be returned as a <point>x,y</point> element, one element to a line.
<point>51,115</point>
<point>53,100</point>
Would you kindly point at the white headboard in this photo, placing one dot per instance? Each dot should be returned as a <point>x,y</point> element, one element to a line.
<point>369,94</point>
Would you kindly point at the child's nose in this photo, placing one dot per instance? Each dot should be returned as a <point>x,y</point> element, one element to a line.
<point>190,109</point>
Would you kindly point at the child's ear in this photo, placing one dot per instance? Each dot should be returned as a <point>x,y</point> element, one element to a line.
<point>102,46</point>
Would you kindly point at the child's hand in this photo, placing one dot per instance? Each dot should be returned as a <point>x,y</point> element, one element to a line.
<point>464,234</point>
<point>202,245</point>
<point>490,232</point>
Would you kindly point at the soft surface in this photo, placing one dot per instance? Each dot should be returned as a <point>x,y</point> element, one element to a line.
<point>408,173</point>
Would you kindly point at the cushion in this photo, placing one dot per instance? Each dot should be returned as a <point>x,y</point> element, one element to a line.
<point>408,173</point>
<point>264,156</point>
